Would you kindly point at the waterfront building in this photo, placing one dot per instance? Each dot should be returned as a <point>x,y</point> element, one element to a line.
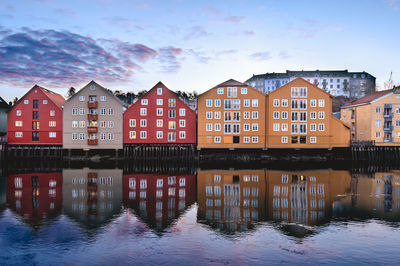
<point>159,117</point>
<point>92,196</point>
<point>336,82</point>
<point>35,197</point>
<point>305,197</point>
<point>231,115</point>
<point>375,117</point>
<point>93,119</point>
<point>231,200</point>
<point>159,199</point>
<point>36,118</point>
<point>300,116</point>
<point>3,117</point>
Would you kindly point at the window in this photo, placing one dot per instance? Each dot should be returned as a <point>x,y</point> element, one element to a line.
<point>171,124</point>
<point>159,101</point>
<point>35,115</point>
<point>254,127</point>
<point>159,91</point>
<point>182,134</point>
<point>378,134</point>
<point>313,115</point>
<point>81,124</point>
<point>171,113</point>
<point>295,116</point>
<point>18,134</point>
<point>321,115</point>
<point>82,98</point>
<point>26,101</point>
<point>110,111</point>
<point>295,104</point>
<point>284,139</point>
<point>397,123</point>
<point>159,134</point>
<point>321,103</point>
<point>378,123</point>
<point>254,139</point>
<point>276,102</point>
<point>132,122</point>
<point>295,129</point>
<point>303,104</point>
<point>143,111</point>
<point>143,134</point>
<point>217,103</point>
<point>143,122</point>
<point>217,127</point>
<point>303,92</point>
<point>103,124</point>
<point>246,102</point>
<point>159,111</point>
<point>313,103</point>
<point>74,111</point>
<point>81,111</point>
<point>52,123</point>
<point>303,128</point>
<point>276,115</point>
<point>232,92</point>
<point>35,104</point>
<point>276,126</point>
<point>246,115</point>
<point>103,111</point>
<point>110,124</point>
<point>321,127</point>
<point>44,101</point>
<point>209,127</point>
<point>92,87</point>
<point>254,102</point>
<point>35,125</point>
<point>295,92</point>
<point>217,115</point>
<point>217,139</point>
<point>74,136</point>
<point>227,128</point>
<point>313,127</point>
<point>132,134</point>
<point>171,136</point>
<point>81,136</point>
<point>103,98</point>
<point>159,123</point>
<point>74,124</point>
<point>220,91</point>
<point>110,136</point>
<point>18,113</point>
<point>303,116</point>
<point>209,103</point>
<point>284,115</point>
<point>244,91</point>
<point>103,136</point>
<point>284,102</point>
<point>209,115</point>
<point>171,102</point>
<point>246,139</point>
<point>182,123</point>
<point>182,112</point>
<point>377,110</point>
<point>284,127</point>
<point>313,139</point>
<point>246,127</point>
<point>52,113</point>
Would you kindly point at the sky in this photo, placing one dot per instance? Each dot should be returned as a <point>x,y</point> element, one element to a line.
<point>189,45</point>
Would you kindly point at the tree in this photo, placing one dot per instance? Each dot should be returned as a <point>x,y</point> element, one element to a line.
<point>71,92</point>
<point>15,100</point>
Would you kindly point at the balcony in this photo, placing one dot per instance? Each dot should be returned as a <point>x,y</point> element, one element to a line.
<point>92,129</point>
<point>93,104</point>
<point>388,140</point>
<point>92,142</point>
<point>92,116</point>
<point>388,114</point>
<point>91,175</point>
<point>387,128</point>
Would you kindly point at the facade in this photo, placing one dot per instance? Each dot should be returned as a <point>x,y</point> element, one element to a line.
<point>231,115</point>
<point>35,196</point>
<point>36,119</point>
<point>3,117</point>
<point>231,200</point>
<point>375,117</point>
<point>159,117</point>
<point>300,116</point>
<point>93,119</point>
<point>92,195</point>
<point>159,199</point>
<point>336,82</point>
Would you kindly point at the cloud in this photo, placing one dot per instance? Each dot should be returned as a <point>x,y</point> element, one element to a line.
<point>126,23</point>
<point>233,19</point>
<point>284,55</point>
<point>199,56</point>
<point>261,56</point>
<point>248,33</point>
<point>212,11</point>
<point>55,58</point>
<point>227,52</point>
<point>195,32</point>
<point>394,4</point>
<point>310,28</point>
<point>64,12</point>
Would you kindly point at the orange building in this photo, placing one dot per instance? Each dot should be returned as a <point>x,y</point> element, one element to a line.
<point>300,116</point>
<point>231,115</point>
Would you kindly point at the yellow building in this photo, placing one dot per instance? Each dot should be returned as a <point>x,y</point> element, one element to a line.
<point>300,116</point>
<point>375,117</point>
<point>305,197</point>
<point>231,115</point>
<point>231,200</point>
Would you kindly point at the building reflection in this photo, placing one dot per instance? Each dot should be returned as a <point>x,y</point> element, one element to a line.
<point>92,196</point>
<point>159,199</point>
<point>35,196</point>
<point>231,200</point>
<point>373,197</point>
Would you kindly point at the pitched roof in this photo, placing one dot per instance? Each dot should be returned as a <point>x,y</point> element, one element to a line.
<point>370,97</point>
<point>3,103</point>
<point>303,80</point>
<point>231,82</point>
<point>54,97</point>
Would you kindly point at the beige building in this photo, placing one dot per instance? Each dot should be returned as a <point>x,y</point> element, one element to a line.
<point>92,119</point>
<point>92,195</point>
<point>375,117</point>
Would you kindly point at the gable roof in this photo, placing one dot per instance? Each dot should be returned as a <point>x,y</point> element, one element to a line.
<point>103,88</point>
<point>299,78</point>
<point>56,98</point>
<point>231,82</point>
<point>3,103</point>
<point>370,97</point>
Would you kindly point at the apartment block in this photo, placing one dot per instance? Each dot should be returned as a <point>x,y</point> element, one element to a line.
<point>300,116</point>
<point>231,115</point>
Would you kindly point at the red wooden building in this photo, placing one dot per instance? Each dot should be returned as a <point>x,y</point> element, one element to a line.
<point>159,117</point>
<point>36,118</point>
<point>159,199</point>
<point>35,196</point>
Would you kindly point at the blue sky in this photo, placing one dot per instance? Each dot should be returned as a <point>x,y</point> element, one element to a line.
<point>189,45</point>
